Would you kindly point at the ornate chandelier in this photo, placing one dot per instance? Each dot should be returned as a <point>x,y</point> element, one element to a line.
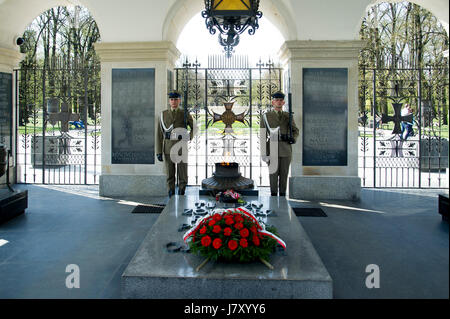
<point>231,18</point>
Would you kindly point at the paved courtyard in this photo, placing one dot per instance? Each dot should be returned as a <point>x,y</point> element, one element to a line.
<point>398,230</point>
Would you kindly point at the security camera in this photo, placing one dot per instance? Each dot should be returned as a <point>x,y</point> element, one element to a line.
<point>19,41</point>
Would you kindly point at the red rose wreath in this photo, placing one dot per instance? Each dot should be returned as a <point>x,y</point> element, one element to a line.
<point>232,235</point>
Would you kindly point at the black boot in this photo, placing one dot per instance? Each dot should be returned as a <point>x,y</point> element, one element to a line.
<point>273,194</point>
<point>181,191</point>
<point>282,194</point>
<point>171,193</point>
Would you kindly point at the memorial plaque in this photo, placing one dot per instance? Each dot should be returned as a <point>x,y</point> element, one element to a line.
<point>6,109</point>
<point>133,116</point>
<point>169,80</point>
<point>325,116</point>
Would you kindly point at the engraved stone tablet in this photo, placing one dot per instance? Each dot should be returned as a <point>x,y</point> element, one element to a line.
<point>5,109</point>
<point>325,116</point>
<point>169,80</point>
<point>133,116</point>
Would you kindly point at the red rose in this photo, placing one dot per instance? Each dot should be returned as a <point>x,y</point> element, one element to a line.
<point>239,225</point>
<point>203,230</point>
<point>227,231</point>
<point>238,218</point>
<point>253,229</point>
<point>217,217</point>
<point>256,240</point>
<point>217,243</point>
<point>232,244</point>
<point>229,221</point>
<point>244,232</point>
<point>206,241</point>
<point>243,242</point>
<point>217,229</point>
<point>211,222</point>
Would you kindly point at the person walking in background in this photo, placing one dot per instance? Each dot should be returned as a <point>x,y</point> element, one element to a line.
<point>407,127</point>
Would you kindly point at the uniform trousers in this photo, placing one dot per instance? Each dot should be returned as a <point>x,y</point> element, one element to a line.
<point>278,180</point>
<point>173,170</point>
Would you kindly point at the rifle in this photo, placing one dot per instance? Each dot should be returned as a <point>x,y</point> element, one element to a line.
<point>187,65</point>
<point>185,106</point>
<point>291,135</point>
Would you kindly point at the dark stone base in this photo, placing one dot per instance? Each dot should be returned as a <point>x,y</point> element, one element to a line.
<point>12,204</point>
<point>217,184</point>
<point>227,176</point>
<point>243,192</point>
<point>443,206</point>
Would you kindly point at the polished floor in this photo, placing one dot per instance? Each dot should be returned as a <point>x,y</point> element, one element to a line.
<point>400,231</point>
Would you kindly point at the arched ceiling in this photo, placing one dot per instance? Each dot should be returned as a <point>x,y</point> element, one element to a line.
<point>16,15</point>
<point>159,20</point>
<point>183,10</point>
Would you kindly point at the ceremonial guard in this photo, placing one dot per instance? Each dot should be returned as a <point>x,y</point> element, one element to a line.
<point>281,126</point>
<point>170,132</point>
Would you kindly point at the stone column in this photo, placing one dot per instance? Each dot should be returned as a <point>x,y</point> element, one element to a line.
<point>133,179</point>
<point>324,181</point>
<point>9,60</point>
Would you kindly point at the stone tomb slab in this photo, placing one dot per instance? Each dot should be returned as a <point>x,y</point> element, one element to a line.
<point>155,273</point>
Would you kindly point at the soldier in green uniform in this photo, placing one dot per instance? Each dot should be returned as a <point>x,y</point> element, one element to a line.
<point>170,132</point>
<point>277,121</point>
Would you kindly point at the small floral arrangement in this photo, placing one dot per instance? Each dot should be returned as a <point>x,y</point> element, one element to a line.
<point>230,196</point>
<point>232,235</point>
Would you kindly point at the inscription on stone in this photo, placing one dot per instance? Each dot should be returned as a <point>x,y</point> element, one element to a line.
<point>133,116</point>
<point>169,80</point>
<point>325,114</point>
<point>5,109</point>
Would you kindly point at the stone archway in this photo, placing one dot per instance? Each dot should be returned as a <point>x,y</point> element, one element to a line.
<point>439,8</point>
<point>16,15</point>
<point>67,81</point>
<point>205,150</point>
<point>183,10</point>
<point>416,155</point>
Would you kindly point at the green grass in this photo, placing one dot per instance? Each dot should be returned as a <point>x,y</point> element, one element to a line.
<point>37,126</point>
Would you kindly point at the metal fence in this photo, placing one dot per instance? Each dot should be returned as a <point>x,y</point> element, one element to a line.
<point>389,157</point>
<point>252,87</point>
<point>48,153</point>
<point>58,132</point>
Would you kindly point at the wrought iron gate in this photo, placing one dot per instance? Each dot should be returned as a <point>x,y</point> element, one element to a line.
<point>253,88</point>
<point>58,132</point>
<point>388,158</point>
